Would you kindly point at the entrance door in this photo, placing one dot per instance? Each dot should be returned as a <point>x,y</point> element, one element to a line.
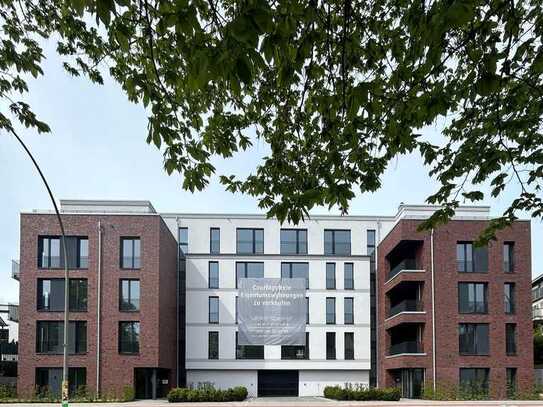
<point>151,383</point>
<point>412,383</point>
<point>277,383</point>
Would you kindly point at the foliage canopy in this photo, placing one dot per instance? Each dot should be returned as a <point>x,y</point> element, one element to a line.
<point>336,89</point>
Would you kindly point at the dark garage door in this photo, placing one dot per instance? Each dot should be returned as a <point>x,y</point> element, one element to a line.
<point>277,383</point>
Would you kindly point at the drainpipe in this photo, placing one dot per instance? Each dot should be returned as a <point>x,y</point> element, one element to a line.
<point>433,311</point>
<point>98,308</point>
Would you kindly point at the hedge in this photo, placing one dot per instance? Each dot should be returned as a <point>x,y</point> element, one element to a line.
<point>360,393</point>
<point>207,393</point>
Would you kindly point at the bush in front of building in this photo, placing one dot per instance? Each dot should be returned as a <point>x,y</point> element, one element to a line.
<point>361,393</point>
<point>206,393</point>
<point>7,392</point>
<point>129,393</point>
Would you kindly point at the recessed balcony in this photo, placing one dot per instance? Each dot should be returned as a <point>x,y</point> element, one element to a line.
<point>405,348</point>
<point>406,306</point>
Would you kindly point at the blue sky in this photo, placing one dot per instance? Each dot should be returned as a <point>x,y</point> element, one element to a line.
<point>97,150</point>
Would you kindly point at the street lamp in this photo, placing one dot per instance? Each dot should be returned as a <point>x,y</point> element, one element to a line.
<point>65,387</point>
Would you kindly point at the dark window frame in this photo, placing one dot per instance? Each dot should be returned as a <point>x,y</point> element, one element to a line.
<point>209,277</point>
<point>250,349</point>
<point>213,241</point>
<point>135,346</point>
<point>183,243</point>
<point>71,300</point>
<point>472,263</point>
<point>334,251</point>
<point>213,354</point>
<point>245,269</point>
<point>509,263</point>
<point>331,351</point>
<point>474,335</point>
<point>77,344</point>
<point>462,307</point>
<point>330,287</point>
<point>348,352</point>
<point>511,347</point>
<point>75,259</point>
<point>331,321</point>
<point>253,241</point>
<point>290,266</point>
<point>298,241</point>
<point>509,299</point>
<point>121,299</point>
<point>345,313</point>
<point>476,372</point>
<point>288,350</point>
<point>132,265</point>
<point>210,320</point>
<point>345,279</point>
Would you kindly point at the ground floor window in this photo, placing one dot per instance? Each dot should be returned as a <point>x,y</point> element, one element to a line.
<point>474,381</point>
<point>249,351</point>
<point>49,380</point>
<point>511,374</point>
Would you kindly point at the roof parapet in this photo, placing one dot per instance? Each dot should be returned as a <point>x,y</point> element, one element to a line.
<point>105,206</point>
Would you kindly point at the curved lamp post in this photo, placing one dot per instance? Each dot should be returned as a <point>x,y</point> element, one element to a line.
<point>66,280</point>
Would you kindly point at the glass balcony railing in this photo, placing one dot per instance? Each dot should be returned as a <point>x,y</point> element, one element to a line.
<point>406,306</point>
<point>405,347</point>
<point>537,314</point>
<point>406,264</point>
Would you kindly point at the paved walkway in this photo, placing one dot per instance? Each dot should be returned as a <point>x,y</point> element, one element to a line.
<point>297,402</point>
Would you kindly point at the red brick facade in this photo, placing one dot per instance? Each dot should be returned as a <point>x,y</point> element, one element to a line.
<point>157,313</point>
<point>448,359</point>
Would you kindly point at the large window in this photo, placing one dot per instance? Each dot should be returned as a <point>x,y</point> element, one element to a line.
<point>213,274</point>
<point>330,345</point>
<point>348,276</point>
<point>249,270</point>
<point>50,378</point>
<point>289,352</point>
<point>249,351</point>
<point>130,253</point>
<point>509,297</point>
<point>183,241</point>
<point>349,345</point>
<point>129,299</point>
<point>471,259</point>
<point>296,270</point>
<point>250,241</point>
<point>330,310</point>
<point>129,337</point>
<point>330,276</point>
<point>508,257</point>
<point>50,252</point>
<point>348,310</point>
<point>474,380</point>
<point>50,337</point>
<point>511,377</point>
<point>213,310</point>
<point>213,345</point>
<point>511,339</point>
<point>472,298</point>
<point>337,242</point>
<point>473,339</point>
<point>51,295</point>
<point>214,240</point>
<point>293,241</point>
<point>307,310</point>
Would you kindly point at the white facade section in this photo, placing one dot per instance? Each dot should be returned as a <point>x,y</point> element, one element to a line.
<point>314,373</point>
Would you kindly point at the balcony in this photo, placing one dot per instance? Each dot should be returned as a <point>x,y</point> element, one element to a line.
<point>406,306</point>
<point>407,347</point>
<point>13,312</point>
<point>537,314</point>
<point>406,264</point>
<point>15,270</point>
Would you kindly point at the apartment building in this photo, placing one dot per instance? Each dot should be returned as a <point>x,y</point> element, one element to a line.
<point>537,301</point>
<point>153,300</point>
<point>453,313</point>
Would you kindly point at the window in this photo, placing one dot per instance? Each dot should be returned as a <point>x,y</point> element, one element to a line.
<point>214,240</point>
<point>213,274</point>
<point>349,345</point>
<point>129,337</point>
<point>330,276</point>
<point>213,310</point>
<point>213,345</point>
<point>370,244</point>
<point>330,345</point>
<point>249,270</point>
<point>470,259</point>
<point>508,257</point>
<point>50,378</point>
<point>473,339</point>
<point>472,298</point>
<point>511,377</point>
<point>511,339</point>
<point>51,295</point>
<point>293,241</point>
<point>474,380</point>
<point>296,270</point>
<point>330,310</point>
<point>249,351</point>
<point>183,241</point>
<point>307,310</point>
<point>348,310</point>
<point>509,297</point>
<point>290,352</point>
<point>50,337</point>
<point>250,241</point>
<point>50,252</point>
<point>348,276</point>
<point>129,299</point>
<point>337,242</point>
<point>130,253</point>
<point>236,309</point>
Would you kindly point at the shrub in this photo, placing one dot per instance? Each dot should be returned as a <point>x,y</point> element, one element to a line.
<point>361,393</point>
<point>7,391</point>
<point>207,393</point>
<point>128,393</point>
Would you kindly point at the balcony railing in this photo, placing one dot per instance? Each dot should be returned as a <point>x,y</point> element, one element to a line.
<point>406,306</point>
<point>405,347</point>
<point>406,264</point>
<point>537,314</point>
<point>13,312</point>
<point>15,270</point>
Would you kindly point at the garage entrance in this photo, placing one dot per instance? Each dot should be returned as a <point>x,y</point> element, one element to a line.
<point>277,383</point>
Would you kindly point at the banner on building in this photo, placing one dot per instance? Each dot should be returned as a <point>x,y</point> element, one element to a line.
<point>271,311</point>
